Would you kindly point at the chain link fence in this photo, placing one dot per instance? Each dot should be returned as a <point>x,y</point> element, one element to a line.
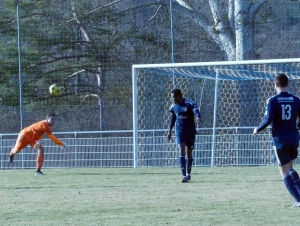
<point>88,48</point>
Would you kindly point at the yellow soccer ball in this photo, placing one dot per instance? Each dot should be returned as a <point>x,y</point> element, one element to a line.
<point>55,90</point>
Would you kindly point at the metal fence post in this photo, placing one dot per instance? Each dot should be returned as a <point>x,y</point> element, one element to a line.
<point>215,120</point>
<point>236,146</point>
<point>75,150</point>
<point>1,150</point>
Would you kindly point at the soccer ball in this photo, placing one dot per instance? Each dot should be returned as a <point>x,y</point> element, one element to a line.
<point>55,90</point>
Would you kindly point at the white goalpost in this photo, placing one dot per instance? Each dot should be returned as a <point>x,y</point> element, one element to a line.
<point>231,96</point>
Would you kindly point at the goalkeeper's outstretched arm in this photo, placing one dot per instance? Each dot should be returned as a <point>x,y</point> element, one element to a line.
<point>57,141</point>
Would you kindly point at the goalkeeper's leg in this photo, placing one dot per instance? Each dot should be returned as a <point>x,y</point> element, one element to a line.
<point>21,143</point>
<point>12,153</point>
<point>39,160</point>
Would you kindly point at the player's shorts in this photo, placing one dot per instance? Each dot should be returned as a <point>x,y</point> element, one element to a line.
<point>188,139</point>
<point>22,142</point>
<point>285,154</point>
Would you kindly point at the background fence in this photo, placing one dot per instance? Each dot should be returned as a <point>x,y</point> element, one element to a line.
<point>115,149</point>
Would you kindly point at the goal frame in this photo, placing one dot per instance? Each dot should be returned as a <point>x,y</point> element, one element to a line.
<point>136,67</point>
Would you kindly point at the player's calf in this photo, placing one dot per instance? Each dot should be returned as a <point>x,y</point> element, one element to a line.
<point>295,177</point>
<point>291,187</point>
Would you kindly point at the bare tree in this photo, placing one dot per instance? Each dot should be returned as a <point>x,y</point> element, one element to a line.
<point>230,23</point>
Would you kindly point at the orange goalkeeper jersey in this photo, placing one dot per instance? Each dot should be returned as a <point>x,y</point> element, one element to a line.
<point>37,130</point>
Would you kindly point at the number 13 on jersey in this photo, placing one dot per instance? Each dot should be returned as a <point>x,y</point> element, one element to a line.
<point>286,111</point>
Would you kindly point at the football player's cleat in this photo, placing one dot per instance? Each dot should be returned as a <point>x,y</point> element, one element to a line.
<point>188,177</point>
<point>11,158</point>
<point>296,204</point>
<point>184,179</point>
<point>39,173</point>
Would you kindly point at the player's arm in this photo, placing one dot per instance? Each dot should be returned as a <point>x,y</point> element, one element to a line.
<point>268,118</point>
<point>55,140</point>
<point>196,111</point>
<point>172,123</point>
<point>298,124</point>
<point>298,114</point>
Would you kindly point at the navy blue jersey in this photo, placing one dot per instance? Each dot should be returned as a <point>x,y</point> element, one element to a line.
<point>282,111</point>
<point>183,114</point>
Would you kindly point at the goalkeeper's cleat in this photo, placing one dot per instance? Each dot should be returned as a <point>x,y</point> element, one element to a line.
<point>184,180</point>
<point>11,158</point>
<point>296,204</point>
<point>188,177</point>
<point>39,173</point>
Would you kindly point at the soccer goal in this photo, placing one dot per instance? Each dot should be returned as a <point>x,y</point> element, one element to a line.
<point>231,97</point>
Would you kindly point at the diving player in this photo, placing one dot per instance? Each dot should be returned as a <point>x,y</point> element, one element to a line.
<point>33,135</point>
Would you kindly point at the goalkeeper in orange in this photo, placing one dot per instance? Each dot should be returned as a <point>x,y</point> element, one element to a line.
<point>33,135</point>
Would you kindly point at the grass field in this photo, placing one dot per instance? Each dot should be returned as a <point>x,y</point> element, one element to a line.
<point>146,196</point>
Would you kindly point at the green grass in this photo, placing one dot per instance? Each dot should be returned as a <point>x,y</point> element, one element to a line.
<point>146,196</point>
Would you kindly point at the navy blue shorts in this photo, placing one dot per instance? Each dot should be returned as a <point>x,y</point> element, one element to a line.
<point>285,154</point>
<point>188,139</point>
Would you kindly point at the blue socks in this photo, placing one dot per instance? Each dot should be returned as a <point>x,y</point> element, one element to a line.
<point>189,165</point>
<point>185,168</point>
<point>182,165</point>
<point>291,187</point>
<point>296,178</point>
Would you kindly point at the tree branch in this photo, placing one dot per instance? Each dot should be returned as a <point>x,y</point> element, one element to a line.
<point>56,59</point>
<point>256,6</point>
<point>184,4</point>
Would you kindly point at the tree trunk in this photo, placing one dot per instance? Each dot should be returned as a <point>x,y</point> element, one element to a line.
<point>243,32</point>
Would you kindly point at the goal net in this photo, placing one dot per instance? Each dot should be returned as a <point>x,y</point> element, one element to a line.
<point>231,97</point>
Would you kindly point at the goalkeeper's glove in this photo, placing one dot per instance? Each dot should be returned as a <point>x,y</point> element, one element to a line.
<point>37,145</point>
<point>64,147</point>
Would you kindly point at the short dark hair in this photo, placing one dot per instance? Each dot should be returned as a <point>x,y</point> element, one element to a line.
<point>50,114</point>
<point>177,92</point>
<point>281,80</point>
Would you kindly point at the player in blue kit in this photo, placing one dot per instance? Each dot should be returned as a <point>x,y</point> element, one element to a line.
<point>282,111</point>
<point>183,113</point>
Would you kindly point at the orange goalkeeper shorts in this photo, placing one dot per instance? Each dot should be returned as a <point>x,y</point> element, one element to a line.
<point>22,142</point>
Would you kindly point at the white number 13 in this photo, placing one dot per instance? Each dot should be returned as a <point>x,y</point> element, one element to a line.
<point>286,111</point>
